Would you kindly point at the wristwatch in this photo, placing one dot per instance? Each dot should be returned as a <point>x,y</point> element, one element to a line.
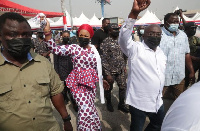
<point>68,118</point>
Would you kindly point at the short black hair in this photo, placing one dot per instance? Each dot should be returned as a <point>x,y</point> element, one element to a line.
<point>104,20</point>
<point>12,16</point>
<point>65,31</point>
<point>189,25</point>
<point>168,15</point>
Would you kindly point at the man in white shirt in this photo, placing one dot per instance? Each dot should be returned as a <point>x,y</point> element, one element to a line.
<point>147,64</point>
<point>184,114</point>
<point>174,44</point>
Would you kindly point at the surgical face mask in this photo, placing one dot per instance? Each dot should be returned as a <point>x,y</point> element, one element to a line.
<point>65,40</point>
<point>83,41</point>
<point>19,47</point>
<point>152,41</point>
<point>74,31</point>
<point>173,27</point>
<point>142,31</point>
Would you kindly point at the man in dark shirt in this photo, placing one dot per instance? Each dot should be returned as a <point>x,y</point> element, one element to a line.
<point>190,30</point>
<point>63,66</point>
<point>114,67</point>
<point>101,33</point>
<point>73,35</point>
<point>40,46</point>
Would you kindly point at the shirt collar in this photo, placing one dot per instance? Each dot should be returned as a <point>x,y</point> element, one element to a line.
<point>2,59</point>
<point>169,33</point>
<point>35,57</point>
<point>30,56</point>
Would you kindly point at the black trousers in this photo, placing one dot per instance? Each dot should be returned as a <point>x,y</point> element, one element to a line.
<point>121,82</point>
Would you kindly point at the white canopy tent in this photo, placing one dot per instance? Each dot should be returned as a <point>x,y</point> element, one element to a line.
<point>59,22</point>
<point>84,19</point>
<point>185,17</point>
<point>95,22</point>
<point>76,21</point>
<point>197,15</point>
<point>35,25</point>
<point>148,18</point>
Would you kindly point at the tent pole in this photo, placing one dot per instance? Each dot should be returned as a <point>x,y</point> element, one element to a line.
<point>71,14</point>
<point>102,7</point>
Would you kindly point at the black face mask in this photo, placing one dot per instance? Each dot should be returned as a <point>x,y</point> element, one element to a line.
<point>65,40</point>
<point>106,28</point>
<point>83,41</point>
<point>152,41</point>
<point>18,48</point>
<point>115,34</point>
<point>192,33</point>
<point>40,36</point>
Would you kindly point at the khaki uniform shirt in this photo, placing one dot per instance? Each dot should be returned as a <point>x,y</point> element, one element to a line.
<point>194,46</point>
<point>25,95</point>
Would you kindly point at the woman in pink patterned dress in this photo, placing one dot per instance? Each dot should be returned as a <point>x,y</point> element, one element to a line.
<point>82,80</point>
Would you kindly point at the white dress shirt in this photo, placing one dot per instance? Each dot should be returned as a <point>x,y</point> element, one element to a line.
<point>184,114</point>
<point>146,71</point>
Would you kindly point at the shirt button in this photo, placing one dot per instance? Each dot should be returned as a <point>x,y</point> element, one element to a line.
<point>29,101</point>
<point>20,69</point>
<point>33,118</point>
<point>24,85</point>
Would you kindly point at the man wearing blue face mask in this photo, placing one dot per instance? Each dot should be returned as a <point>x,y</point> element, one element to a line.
<point>73,31</point>
<point>140,32</point>
<point>73,35</point>
<point>174,44</point>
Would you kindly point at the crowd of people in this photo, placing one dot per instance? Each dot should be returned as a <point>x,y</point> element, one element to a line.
<point>153,69</point>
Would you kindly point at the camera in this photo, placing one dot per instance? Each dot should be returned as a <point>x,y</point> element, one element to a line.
<point>178,12</point>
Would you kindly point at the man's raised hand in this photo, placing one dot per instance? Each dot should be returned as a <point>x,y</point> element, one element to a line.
<point>138,6</point>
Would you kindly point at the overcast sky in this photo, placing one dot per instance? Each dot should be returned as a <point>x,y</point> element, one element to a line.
<point>118,8</point>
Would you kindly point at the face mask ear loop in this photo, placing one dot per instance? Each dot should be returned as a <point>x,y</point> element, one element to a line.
<point>168,23</point>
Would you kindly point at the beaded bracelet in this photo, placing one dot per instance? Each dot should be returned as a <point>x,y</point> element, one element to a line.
<point>47,33</point>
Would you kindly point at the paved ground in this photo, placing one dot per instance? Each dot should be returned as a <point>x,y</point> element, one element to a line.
<point>110,121</point>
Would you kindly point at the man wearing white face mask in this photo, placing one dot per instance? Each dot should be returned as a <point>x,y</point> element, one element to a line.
<point>140,32</point>
<point>174,44</point>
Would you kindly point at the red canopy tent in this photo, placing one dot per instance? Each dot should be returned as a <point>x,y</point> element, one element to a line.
<point>8,6</point>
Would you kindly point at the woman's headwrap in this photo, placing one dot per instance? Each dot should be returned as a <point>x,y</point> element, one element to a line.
<point>88,28</point>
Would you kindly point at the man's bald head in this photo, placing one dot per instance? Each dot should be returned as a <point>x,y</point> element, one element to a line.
<point>152,27</point>
<point>152,36</point>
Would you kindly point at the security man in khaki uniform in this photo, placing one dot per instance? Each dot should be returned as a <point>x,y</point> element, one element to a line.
<point>28,82</point>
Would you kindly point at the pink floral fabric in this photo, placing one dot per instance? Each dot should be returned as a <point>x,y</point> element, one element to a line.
<point>81,82</point>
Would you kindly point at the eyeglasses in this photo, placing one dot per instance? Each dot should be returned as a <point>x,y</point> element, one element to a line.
<point>154,34</point>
